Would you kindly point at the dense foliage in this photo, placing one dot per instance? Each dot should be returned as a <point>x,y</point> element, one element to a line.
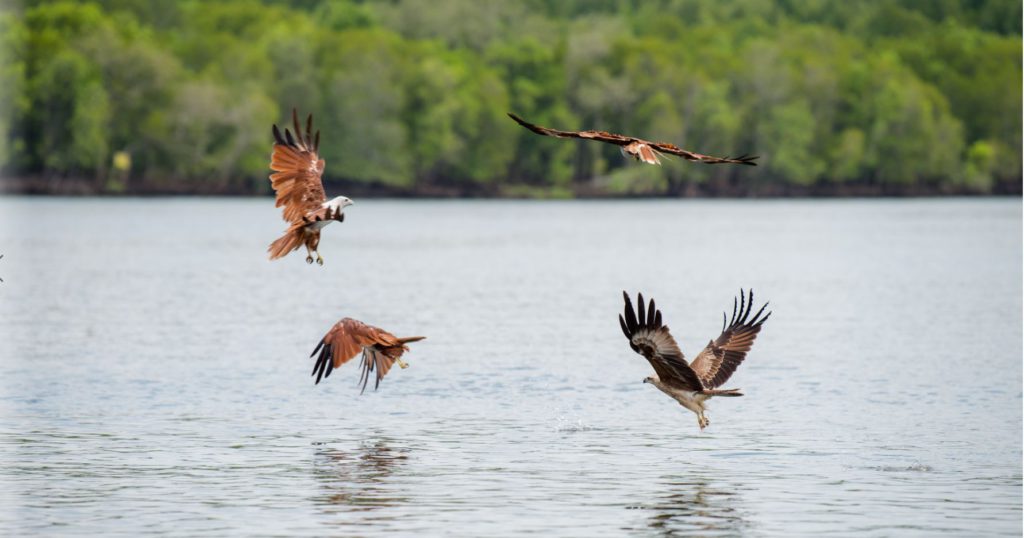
<point>411,95</point>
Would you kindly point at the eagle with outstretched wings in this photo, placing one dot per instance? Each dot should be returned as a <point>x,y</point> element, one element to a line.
<point>349,337</point>
<point>637,148</point>
<point>692,384</point>
<point>297,181</point>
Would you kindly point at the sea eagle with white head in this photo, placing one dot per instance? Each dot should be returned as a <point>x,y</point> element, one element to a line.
<point>297,180</point>
<point>692,384</point>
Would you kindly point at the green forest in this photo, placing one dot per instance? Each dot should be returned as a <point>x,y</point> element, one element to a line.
<point>837,97</point>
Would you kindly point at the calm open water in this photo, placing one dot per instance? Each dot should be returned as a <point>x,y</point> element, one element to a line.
<point>154,370</point>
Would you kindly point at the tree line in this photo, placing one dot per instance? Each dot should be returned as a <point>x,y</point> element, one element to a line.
<point>859,96</point>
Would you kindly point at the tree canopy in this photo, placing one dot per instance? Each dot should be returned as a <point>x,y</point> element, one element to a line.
<point>411,96</point>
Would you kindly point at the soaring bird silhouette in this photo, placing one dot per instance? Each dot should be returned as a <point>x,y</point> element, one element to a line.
<point>638,148</point>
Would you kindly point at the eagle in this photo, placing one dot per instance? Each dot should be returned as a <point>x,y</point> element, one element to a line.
<point>637,148</point>
<point>350,337</point>
<point>692,384</point>
<point>296,179</point>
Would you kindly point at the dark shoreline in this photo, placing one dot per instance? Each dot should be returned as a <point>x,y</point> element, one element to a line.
<point>36,186</point>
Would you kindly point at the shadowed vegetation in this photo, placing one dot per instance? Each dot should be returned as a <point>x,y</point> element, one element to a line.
<point>837,97</point>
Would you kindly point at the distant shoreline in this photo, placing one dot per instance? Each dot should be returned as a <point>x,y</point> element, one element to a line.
<point>36,186</point>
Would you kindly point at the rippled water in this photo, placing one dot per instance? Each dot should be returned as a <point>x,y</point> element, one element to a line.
<point>155,370</point>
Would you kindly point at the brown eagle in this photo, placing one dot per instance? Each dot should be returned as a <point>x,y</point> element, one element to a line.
<point>692,384</point>
<point>297,169</point>
<point>641,150</point>
<point>350,337</point>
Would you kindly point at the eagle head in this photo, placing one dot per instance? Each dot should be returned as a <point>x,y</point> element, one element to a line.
<point>340,202</point>
<point>336,205</point>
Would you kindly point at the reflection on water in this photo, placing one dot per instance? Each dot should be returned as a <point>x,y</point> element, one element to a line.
<point>156,380</point>
<point>695,507</point>
<point>355,479</point>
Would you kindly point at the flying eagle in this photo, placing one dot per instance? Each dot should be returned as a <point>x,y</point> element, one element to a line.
<point>350,337</point>
<point>297,169</point>
<point>641,150</point>
<point>692,384</point>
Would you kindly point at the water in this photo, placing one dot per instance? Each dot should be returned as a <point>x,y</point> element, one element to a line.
<point>155,375</point>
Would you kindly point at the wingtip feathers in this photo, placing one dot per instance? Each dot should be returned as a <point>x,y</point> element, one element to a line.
<point>303,140</point>
<point>641,310</point>
<point>743,306</point>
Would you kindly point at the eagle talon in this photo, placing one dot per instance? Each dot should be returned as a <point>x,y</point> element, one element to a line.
<point>309,259</point>
<point>319,259</point>
<point>402,364</point>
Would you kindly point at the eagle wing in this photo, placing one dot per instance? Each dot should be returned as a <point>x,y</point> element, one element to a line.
<point>648,337</point>
<point>645,150</point>
<point>723,355</point>
<point>603,136</point>
<point>348,338</point>
<point>698,157</point>
<point>297,170</point>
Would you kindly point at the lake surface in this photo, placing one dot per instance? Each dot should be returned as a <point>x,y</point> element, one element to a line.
<point>154,370</point>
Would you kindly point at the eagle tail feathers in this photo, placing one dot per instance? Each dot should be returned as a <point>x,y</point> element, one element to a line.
<point>725,392</point>
<point>291,240</point>
<point>408,339</point>
<point>649,155</point>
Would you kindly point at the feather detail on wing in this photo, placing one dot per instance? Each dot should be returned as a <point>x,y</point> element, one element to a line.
<point>297,170</point>
<point>722,356</point>
<point>642,150</point>
<point>323,212</point>
<point>700,158</point>
<point>603,136</point>
<point>348,338</point>
<point>648,337</point>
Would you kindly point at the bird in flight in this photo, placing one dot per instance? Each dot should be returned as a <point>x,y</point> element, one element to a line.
<point>296,179</point>
<point>637,148</point>
<point>692,384</point>
<point>350,337</point>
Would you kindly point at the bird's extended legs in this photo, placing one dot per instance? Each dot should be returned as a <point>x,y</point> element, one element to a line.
<point>402,363</point>
<point>702,421</point>
<point>309,256</point>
